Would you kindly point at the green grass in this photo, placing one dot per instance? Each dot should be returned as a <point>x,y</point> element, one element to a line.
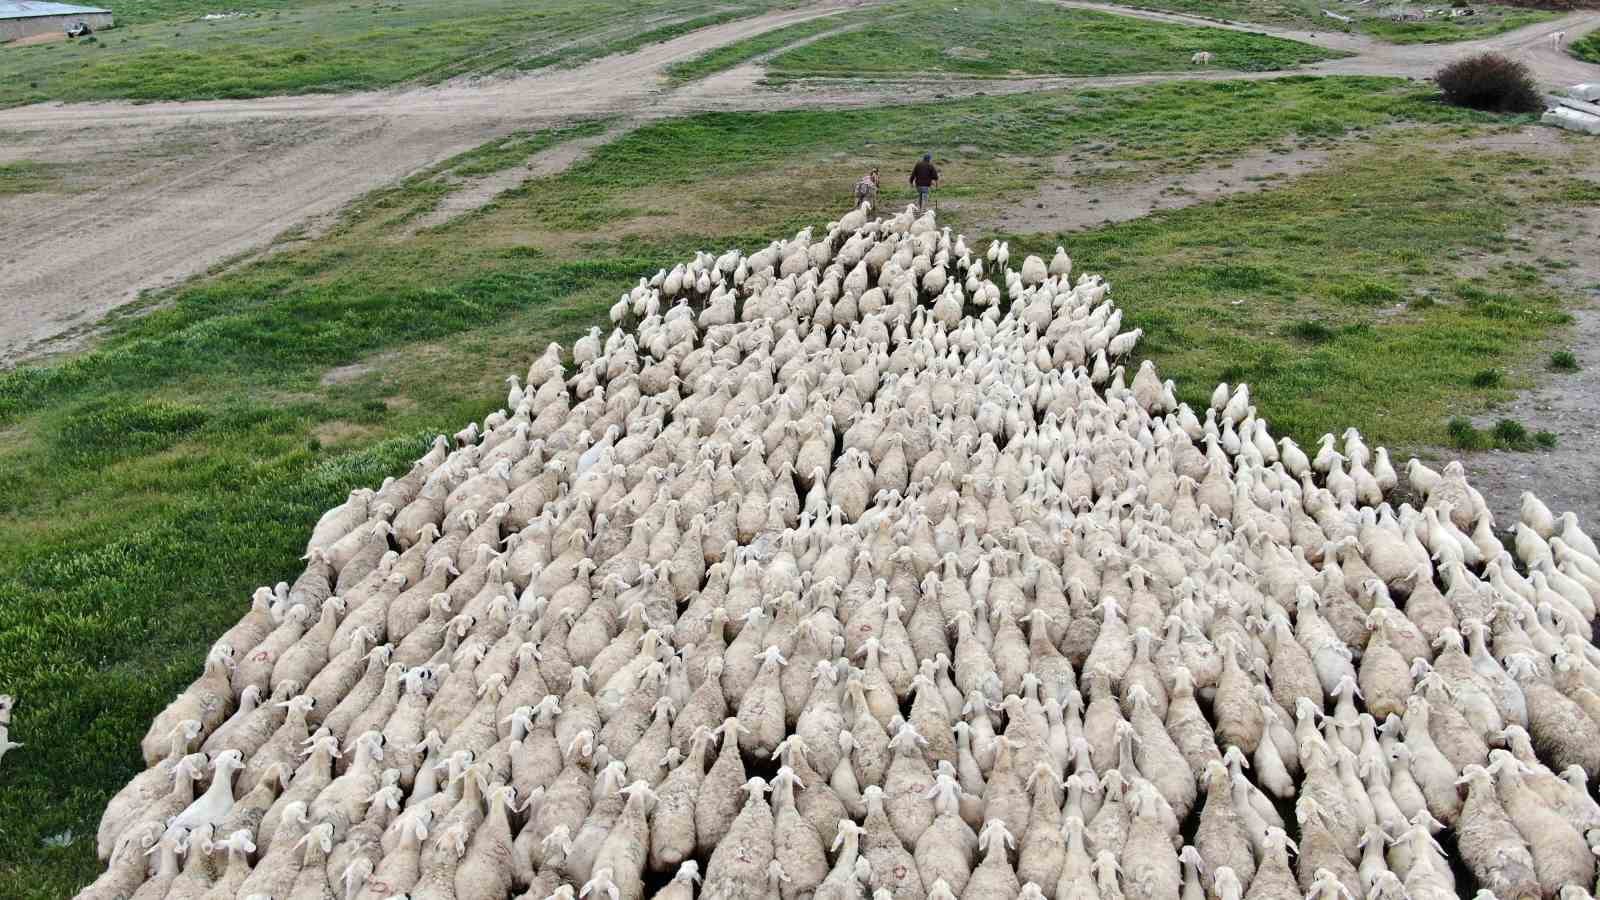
<point>738,53</point>
<point>1305,13</point>
<point>153,481</point>
<point>291,47</point>
<point>1489,21</point>
<point>997,38</point>
<point>1587,49</point>
<point>141,12</point>
<point>1213,285</point>
<point>1564,361</point>
<point>28,177</point>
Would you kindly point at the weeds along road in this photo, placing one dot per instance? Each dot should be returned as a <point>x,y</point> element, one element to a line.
<point>170,190</point>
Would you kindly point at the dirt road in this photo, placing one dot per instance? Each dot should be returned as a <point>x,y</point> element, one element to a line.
<point>163,191</point>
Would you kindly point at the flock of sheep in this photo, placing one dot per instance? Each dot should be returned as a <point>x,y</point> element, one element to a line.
<point>858,567</point>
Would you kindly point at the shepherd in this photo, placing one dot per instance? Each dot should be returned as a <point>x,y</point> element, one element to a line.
<point>924,177</point>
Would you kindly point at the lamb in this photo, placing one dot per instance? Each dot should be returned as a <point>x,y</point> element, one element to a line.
<point>184,774</point>
<point>309,654</point>
<point>172,845</point>
<point>715,809</point>
<point>1202,58</point>
<point>210,808</point>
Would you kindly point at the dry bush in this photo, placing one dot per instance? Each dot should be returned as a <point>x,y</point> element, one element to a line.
<point>1491,82</point>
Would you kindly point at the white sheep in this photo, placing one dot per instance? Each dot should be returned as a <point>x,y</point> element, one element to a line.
<point>1202,58</point>
<point>675,537</point>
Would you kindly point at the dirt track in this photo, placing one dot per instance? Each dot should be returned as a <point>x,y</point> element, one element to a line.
<point>172,189</point>
<point>176,188</point>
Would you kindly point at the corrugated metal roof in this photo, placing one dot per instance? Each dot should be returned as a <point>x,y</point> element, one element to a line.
<point>27,9</point>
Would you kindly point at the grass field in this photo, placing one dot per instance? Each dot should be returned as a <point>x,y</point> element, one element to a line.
<point>1488,22</point>
<point>142,12</point>
<point>153,481</point>
<point>994,37</point>
<point>168,53</point>
<point>1311,291</point>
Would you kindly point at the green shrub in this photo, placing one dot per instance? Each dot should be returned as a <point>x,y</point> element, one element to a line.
<point>1311,332</point>
<point>1367,293</point>
<point>1464,437</point>
<point>1490,82</point>
<point>1510,432</point>
<point>1487,378</point>
<point>1545,439</point>
<point>1564,361</point>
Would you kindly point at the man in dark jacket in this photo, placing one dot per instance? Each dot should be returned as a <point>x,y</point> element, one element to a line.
<point>925,178</point>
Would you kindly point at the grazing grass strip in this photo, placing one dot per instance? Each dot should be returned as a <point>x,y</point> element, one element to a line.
<point>997,38</point>
<point>724,58</point>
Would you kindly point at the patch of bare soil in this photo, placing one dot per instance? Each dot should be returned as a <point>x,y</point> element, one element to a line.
<point>1568,405</point>
<point>345,374</point>
<point>31,40</point>
<point>1066,203</point>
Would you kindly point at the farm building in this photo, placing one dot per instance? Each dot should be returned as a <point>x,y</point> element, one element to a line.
<point>26,18</point>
